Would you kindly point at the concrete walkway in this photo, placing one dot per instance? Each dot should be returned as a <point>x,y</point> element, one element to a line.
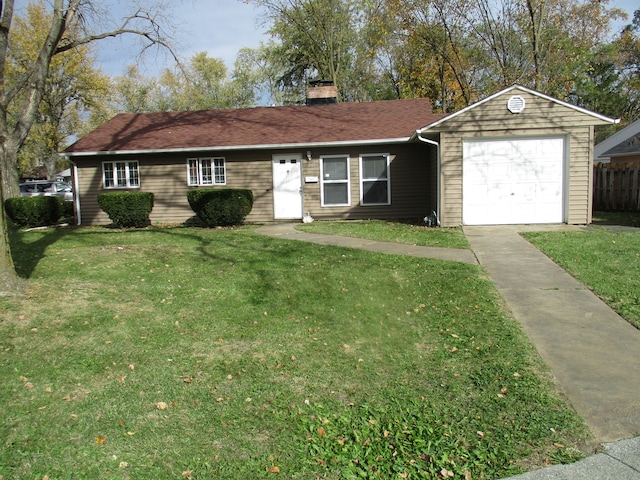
<point>593,353</point>
<point>289,232</point>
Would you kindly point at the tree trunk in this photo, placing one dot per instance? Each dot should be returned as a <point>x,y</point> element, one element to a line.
<point>10,283</point>
<point>8,161</point>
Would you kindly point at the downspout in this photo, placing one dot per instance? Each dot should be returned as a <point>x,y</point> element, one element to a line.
<point>437,145</point>
<point>76,190</point>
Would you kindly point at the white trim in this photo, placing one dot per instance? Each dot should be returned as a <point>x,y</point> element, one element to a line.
<point>507,90</point>
<point>199,182</point>
<point>346,181</point>
<point>386,156</point>
<point>241,147</point>
<point>127,174</point>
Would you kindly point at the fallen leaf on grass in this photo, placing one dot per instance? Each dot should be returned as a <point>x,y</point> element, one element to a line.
<point>274,469</point>
<point>446,473</point>
<point>100,440</point>
<point>161,406</point>
<point>321,432</point>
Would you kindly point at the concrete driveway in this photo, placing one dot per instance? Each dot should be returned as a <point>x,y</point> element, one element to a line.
<point>593,353</point>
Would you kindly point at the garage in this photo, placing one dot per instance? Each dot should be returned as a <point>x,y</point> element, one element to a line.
<point>512,181</point>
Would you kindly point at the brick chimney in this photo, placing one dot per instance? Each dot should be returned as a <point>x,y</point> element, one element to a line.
<point>322,92</point>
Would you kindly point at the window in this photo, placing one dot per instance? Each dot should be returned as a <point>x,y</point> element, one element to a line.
<point>120,174</point>
<point>334,173</point>
<point>206,171</point>
<point>375,188</point>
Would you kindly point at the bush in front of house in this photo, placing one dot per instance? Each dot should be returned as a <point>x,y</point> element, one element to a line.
<point>37,211</point>
<point>65,210</point>
<point>221,207</point>
<point>127,209</point>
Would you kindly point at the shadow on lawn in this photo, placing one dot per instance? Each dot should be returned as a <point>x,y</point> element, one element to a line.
<point>27,254</point>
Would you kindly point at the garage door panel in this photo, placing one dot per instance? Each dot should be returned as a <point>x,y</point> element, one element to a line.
<point>513,181</point>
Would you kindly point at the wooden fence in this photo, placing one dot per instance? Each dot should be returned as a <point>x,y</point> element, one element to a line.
<point>616,187</point>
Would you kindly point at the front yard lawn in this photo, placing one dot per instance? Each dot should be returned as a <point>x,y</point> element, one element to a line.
<point>387,231</point>
<point>197,353</point>
<point>607,262</point>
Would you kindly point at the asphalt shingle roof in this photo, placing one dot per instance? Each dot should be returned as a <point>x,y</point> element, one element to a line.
<point>628,146</point>
<point>260,126</point>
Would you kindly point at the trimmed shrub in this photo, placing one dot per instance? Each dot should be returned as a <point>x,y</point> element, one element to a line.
<point>65,209</point>
<point>219,207</point>
<point>38,211</point>
<point>127,209</point>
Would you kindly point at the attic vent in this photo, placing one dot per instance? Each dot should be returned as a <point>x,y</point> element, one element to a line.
<point>515,104</point>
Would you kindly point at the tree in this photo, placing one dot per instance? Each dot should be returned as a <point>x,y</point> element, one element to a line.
<point>133,92</point>
<point>204,83</point>
<point>467,50</point>
<point>201,83</point>
<point>73,23</point>
<point>629,43</point>
<point>335,40</point>
<point>74,87</point>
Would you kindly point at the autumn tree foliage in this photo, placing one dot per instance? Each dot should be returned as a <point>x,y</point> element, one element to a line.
<point>200,83</point>
<point>72,24</point>
<point>74,92</point>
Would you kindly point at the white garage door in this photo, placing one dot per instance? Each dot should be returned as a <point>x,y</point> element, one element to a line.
<point>512,181</point>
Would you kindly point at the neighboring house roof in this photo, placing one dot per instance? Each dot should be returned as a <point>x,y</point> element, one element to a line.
<point>510,89</point>
<point>260,127</point>
<point>624,142</point>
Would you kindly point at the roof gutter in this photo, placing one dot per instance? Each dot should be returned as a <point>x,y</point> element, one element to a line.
<point>241,147</point>
<point>76,196</point>
<point>437,145</point>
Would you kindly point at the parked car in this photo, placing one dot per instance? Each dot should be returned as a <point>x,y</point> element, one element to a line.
<point>48,188</point>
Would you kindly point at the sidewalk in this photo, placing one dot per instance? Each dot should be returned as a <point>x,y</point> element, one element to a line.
<point>593,353</point>
<point>289,232</point>
<point>619,461</point>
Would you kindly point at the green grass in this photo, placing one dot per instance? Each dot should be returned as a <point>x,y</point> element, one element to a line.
<point>629,219</point>
<point>608,263</point>
<point>380,230</point>
<point>196,353</point>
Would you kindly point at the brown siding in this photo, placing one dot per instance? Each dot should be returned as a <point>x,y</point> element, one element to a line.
<point>410,183</point>
<point>166,176</point>
<point>540,117</point>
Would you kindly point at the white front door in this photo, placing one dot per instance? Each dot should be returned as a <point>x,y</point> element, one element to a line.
<point>513,181</point>
<point>287,186</point>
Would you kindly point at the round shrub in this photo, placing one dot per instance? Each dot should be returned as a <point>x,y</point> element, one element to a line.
<point>219,207</point>
<point>127,209</point>
<point>37,211</point>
